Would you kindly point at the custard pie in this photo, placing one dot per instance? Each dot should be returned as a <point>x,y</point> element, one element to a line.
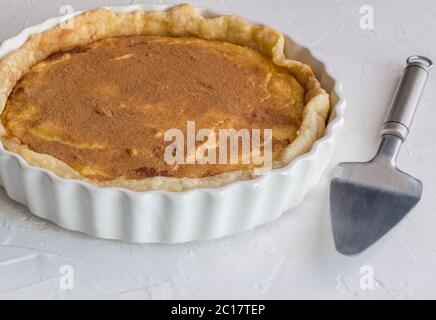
<point>94,101</point>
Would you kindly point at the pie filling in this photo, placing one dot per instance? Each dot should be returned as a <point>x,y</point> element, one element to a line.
<point>104,108</point>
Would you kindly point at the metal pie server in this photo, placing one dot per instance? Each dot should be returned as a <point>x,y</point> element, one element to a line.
<point>369,199</point>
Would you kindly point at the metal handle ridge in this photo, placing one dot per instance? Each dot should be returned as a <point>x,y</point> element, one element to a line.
<point>407,96</point>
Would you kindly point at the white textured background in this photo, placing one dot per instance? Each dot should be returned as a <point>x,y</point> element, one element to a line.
<point>293,257</point>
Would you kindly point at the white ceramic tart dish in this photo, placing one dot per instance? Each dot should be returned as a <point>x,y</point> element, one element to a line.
<point>184,209</point>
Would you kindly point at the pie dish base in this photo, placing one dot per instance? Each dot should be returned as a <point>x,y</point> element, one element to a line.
<point>163,216</point>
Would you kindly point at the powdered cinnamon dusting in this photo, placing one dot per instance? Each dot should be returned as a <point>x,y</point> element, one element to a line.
<point>103,108</point>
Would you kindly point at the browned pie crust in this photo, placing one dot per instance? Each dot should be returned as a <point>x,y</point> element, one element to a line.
<point>79,103</point>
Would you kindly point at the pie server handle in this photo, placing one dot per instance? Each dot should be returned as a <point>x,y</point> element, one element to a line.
<point>406,98</point>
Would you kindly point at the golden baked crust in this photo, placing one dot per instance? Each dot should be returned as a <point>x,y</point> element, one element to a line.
<point>180,21</point>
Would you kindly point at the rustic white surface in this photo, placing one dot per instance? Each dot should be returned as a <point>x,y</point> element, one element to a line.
<point>293,257</point>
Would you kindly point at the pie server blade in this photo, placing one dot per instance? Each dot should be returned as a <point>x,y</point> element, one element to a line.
<point>369,199</point>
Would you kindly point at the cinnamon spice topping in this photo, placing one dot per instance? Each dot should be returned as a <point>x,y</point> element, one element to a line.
<point>103,108</point>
